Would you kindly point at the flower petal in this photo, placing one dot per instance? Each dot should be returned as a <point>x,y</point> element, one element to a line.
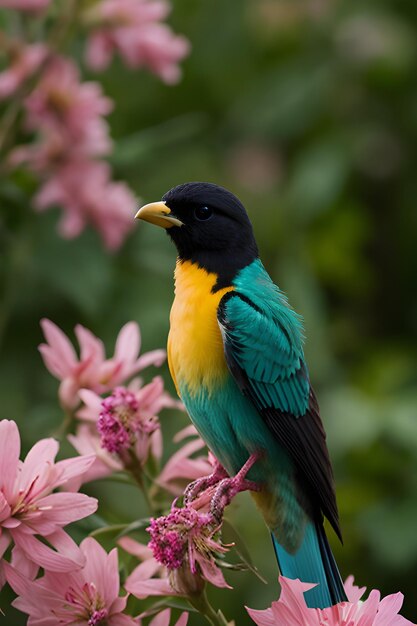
<point>39,458</point>
<point>32,594</point>
<point>262,617</point>
<point>139,550</point>
<point>63,508</point>
<point>183,619</point>
<point>90,346</point>
<point>9,456</point>
<point>120,619</point>
<point>60,353</point>
<point>136,585</point>
<point>24,565</point>
<point>212,573</point>
<point>162,618</point>
<point>353,592</point>
<point>5,509</point>
<point>73,467</point>
<point>102,568</point>
<point>128,343</point>
<point>91,411</point>
<point>156,357</point>
<point>45,556</point>
<point>388,610</point>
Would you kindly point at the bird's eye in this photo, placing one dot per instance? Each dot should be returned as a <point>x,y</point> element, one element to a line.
<point>203,213</point>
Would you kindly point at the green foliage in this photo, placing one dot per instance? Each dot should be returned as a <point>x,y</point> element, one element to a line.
<point>308,112</point>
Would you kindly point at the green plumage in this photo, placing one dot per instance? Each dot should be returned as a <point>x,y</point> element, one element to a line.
<point>267,387</point>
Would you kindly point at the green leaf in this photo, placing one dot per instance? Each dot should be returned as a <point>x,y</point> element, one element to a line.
<point>114,528</point>
<point>240,548</point>
<point>137,525</point>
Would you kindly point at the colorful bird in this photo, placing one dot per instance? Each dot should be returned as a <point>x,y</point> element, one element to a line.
<point>235,352</point>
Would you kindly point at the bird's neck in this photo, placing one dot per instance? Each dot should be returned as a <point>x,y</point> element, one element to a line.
<point>222,265</point>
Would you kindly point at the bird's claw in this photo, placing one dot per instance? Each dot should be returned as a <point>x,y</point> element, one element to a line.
<point>229,487</point>
<point>197,487</point>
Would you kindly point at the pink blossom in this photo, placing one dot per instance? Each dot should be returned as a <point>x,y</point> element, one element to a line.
<point>62,104</point>
<point>28,507</point>
<point>182,467</point>
<point>134,29</point>
<point>92,370</point>
<point>292,610</point>
<point>32,6</point>
<point>185,540</point>
<point>128,417</point>
<point>144,435</point>
<point>124,421</point>
<point>88,597</point>
<point>68,116</point>
<point>24,61</point>
<point>84,190</point>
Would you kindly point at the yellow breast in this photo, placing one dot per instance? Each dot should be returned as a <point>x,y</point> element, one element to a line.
<point>195,346</point>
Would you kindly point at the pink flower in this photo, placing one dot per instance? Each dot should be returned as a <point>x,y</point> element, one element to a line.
<point>28,507</point>
<point>122,421</point>
<point>60,103</point>
<point>88,597</point>
<point>25,60</point>
<point>181,467</point>
<point>292,610</point>
<point>128,418</point>
<point>68,116</point>
<point>184,541</point>
<point>84,190</point>
<point>92,370</point>
<point>133,28</point>
<point>32,6</point>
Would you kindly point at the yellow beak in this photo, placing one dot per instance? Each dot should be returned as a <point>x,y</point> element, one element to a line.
<point>158,213</point>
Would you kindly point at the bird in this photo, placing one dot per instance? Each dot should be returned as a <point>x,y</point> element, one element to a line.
<point>235,354</point>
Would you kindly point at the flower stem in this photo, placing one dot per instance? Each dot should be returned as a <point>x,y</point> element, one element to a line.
<point>133,466</point>
<point>64,427</point>
<point>202,605</point>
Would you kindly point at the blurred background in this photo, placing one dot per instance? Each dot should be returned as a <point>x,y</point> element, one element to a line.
<point>307,110</point>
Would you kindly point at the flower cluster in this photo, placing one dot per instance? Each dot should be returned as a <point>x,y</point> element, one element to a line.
<point>91,370</point>
<point>186,539</point>
<point>121,421</point>
<point>67,117</point>
<point>117,430</point>
<point>291,608</point>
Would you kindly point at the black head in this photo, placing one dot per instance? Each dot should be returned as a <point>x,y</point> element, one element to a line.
<point>209,226</point>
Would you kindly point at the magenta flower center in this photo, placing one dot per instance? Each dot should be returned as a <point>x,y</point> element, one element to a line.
<point>119,420</point>
<point>86,604</point>
<point>173,534</point>
<point>97,617</point>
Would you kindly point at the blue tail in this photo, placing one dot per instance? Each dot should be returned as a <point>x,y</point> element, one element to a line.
<point>313,563</point>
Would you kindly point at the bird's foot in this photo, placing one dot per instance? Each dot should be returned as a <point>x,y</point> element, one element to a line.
<point>200,485</point>
<point>229,487</point>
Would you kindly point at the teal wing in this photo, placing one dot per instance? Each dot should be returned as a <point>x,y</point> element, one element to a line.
<point>263,349</point>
